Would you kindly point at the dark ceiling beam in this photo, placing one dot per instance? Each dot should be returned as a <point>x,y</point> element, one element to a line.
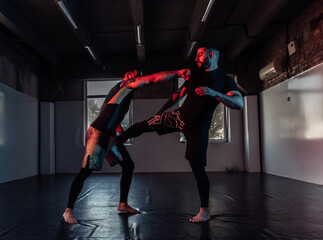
<point>82,32</point>
<point>138,20</point>
<point>13,43</point>
<point>197,27</point>
<point>24,30</point>
<point>257,21</point>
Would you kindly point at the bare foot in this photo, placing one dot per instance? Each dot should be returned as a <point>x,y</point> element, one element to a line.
<point>69,217</point>
<point>124,207</point>
<point>202,216</point>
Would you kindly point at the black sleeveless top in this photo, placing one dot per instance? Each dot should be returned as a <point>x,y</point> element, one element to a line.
<point>112,114</point>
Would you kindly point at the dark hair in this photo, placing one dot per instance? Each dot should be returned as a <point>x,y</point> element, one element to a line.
<point>130,69</point>
<point>209,45</point>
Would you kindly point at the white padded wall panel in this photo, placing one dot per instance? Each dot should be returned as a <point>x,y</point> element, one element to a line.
<point>292,127</point>
<point>69,139</point>
<point>18,135</point>
<point>251,134</point>
<point>47,138</point>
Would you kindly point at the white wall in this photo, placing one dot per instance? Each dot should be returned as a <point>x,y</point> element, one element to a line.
<point>292,127</point>
<point>251,134</point>
<point>47,138</point>
<point>69,139</point>
<point>150,152</point>
<point>18,135</point>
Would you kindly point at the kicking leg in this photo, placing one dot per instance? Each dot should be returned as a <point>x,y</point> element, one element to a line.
<point>203,186</point>
<point>170,121</point>
<point>134,131</point>
<point>75,190</point>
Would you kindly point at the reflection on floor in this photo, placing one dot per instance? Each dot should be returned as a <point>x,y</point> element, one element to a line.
<point>243,206</point>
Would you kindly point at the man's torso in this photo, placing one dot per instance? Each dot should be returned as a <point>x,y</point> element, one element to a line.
<point>112,114</point>
<point>198,110</point>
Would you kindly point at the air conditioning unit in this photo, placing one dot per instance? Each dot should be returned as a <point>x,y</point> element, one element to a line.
<point>272,69</point>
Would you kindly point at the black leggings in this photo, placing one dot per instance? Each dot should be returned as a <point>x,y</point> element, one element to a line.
<point>127,166</point>
<point>202,181</point>
<point>135,131</point>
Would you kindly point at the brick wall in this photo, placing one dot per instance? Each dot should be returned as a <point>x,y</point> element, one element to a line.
<point>18,72</point>
<point>307,31</point>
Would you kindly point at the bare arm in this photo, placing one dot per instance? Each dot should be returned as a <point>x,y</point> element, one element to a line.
<point>232,99</point>
<point>158,77</point>
<point>146,80</point>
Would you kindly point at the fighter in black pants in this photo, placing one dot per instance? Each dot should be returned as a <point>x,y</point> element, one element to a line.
<point>205,89</point>
<point>100,137</point>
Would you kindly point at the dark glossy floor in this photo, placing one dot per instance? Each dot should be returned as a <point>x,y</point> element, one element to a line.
<point>243,206</point>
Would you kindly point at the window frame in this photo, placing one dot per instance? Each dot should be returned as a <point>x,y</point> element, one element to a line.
<point>225,127</point>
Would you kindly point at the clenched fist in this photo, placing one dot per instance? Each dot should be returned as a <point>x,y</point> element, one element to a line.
<point>184,73</point>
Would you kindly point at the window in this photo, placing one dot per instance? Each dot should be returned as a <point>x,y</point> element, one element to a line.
<point>219,126</point>
<point>96,91</point>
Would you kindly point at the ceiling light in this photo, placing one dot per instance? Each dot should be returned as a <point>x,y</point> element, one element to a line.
<point>191,48</point>
<point>89,49</point>
<point>207,11</point>
<point>139,41</point>
<point>62,5</point>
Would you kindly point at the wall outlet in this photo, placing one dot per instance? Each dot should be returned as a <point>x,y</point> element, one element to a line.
<point>292,47</point>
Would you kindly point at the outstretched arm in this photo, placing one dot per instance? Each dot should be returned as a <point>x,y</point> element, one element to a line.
<point>232,99</point>
<point>159,77</point>
<point>177,96</point>
<point>146,80</point>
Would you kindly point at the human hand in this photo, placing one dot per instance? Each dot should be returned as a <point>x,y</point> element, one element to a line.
<point>175,97</point>
<point>184,73</point>
<point>205,91</point>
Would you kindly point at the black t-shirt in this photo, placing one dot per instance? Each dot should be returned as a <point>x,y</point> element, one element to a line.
<point>198,110</point>
<point>111,115</point>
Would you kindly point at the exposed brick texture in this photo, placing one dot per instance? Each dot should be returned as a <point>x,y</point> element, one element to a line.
<point>18,73</point>
<point>307,31</point>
